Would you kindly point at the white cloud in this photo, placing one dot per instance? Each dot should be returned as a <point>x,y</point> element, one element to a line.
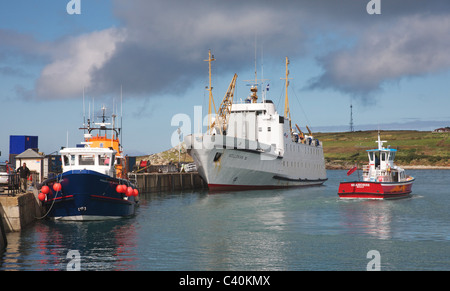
<point>74,60</point>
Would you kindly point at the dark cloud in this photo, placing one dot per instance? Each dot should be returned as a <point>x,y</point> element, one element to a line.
<point>167,41</point>
<point>410,47</point>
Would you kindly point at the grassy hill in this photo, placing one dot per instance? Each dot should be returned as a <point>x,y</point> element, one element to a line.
<point>415,148</point>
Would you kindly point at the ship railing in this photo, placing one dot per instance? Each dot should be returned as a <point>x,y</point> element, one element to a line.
<point>13,184</point>
<point>366,170</point>
<point>376,175</point>
<point>132,177</point>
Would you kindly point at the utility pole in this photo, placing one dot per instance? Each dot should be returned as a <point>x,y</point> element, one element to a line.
<point>351,118</point>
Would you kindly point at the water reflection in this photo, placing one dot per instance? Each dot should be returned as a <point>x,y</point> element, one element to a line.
<point>295,229</point>
<point>252,233</point>
<point>106,245</point>
<point>368,217</point>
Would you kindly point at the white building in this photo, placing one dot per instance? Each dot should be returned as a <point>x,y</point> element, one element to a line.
<point>33,160</point>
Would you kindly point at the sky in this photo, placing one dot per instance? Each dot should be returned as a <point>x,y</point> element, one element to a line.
<point>393,67</point>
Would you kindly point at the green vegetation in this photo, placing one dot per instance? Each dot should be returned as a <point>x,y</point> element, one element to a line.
<point>171,155</point>
<point>415,148</point>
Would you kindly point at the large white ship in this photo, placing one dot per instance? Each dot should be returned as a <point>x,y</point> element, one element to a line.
<point>250,145</point>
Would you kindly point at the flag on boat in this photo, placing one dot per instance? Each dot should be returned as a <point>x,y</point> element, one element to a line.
<point>352,170</point>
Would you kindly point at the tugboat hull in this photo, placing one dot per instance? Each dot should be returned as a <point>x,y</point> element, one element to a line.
<point>375,190</point>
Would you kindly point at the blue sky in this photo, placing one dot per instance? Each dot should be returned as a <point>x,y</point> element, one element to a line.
<point>394,67</point>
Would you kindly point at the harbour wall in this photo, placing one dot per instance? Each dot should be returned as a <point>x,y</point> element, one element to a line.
<point>160,182</point>
<point>17,212</point>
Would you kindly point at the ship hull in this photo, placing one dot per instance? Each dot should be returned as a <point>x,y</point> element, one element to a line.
<point>88,195</point>
<point>375,190</point>
<point>237,164</point>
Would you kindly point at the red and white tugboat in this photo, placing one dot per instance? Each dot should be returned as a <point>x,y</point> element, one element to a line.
<point>382,179</point>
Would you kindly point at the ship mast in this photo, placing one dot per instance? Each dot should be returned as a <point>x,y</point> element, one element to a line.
<point>287,112</point>
<point>209,88</point>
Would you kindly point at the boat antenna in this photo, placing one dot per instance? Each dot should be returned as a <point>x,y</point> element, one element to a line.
<point>254,84</point>
<point>121,114</point>
<point>264,90</point>
<point>84,114</point>
<point>380,142</point>
<point>209,88</point>
<point>256,71</point>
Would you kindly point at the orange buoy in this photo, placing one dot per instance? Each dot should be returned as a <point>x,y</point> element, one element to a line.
<point>45,189</point>
<point>129,192</point>
<point>119,189</point>
<point>135,192</point>
<point>57,187</point>
<point>41,196</point>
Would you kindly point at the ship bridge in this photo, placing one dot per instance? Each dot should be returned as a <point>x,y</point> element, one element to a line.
<point>258,122</point>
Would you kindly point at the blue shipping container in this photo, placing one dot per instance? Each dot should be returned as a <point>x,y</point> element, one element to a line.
<point>20,143</point>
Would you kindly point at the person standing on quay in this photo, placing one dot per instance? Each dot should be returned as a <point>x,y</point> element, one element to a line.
<point>24,172</point>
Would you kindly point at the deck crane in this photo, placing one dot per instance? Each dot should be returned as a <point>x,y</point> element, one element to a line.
<point>225,107</point>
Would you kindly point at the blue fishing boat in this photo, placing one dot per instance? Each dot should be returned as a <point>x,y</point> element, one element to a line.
<point>93,184</point>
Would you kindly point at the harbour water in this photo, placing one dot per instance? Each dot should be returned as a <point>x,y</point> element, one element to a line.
<point>293,229</point>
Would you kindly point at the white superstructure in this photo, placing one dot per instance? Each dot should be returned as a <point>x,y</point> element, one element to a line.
<point>100,160</point>
<point>257,148</point>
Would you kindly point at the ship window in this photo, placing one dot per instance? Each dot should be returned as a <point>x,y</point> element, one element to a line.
<point>392,156</point>
<point>86,160</point>
<point>260,129</point>
<point>371,156</point>
<point>217,157</point>
<point>383,157</point>
<point>104,160</point>
<point>269,129</point>
<point>69,160</point>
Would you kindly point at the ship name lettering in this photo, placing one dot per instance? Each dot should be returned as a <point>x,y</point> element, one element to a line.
<point>234,156</point>
<point>360,185</point>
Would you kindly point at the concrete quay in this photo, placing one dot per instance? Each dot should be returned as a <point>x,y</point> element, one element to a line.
<point>19,211</point>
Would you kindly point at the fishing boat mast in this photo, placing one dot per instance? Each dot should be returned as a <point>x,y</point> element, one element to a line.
<point>287,112</point>
<point>209,88</point>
